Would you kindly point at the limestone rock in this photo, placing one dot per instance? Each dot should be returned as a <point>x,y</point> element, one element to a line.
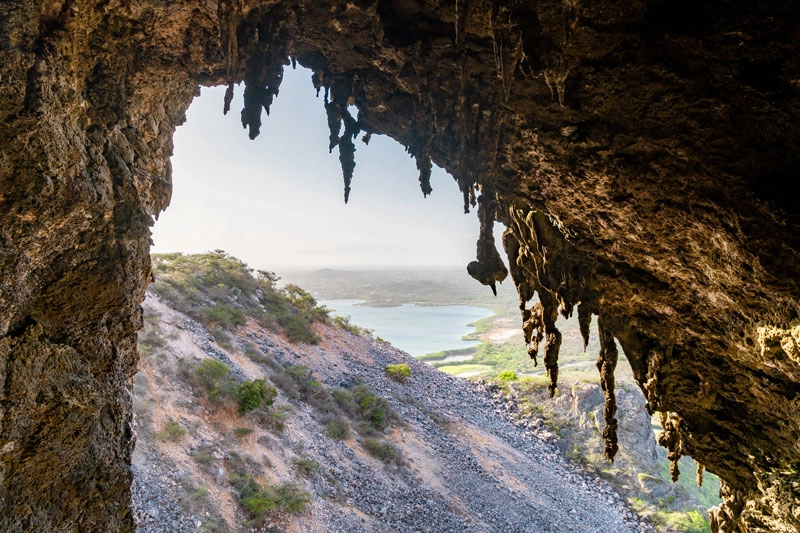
<point>642,154</point>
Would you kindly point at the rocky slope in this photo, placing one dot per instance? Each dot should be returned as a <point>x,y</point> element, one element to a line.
<point>462,464</point>
<point>573,421</point>
<point>642,155</point>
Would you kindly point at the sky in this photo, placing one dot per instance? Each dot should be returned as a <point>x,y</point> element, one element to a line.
<point>278,201</point>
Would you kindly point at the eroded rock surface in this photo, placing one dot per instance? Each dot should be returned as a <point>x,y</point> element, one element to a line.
<point>642,155</point>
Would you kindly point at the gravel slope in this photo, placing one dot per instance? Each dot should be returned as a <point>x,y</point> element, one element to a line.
<point>466,466</point>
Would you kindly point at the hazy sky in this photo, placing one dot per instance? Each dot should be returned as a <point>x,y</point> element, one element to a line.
<point>278,200</point>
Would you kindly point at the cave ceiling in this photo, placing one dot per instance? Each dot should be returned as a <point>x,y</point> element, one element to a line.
<point>643,156</point>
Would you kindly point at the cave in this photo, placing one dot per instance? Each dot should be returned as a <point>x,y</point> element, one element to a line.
<point>642,156</point>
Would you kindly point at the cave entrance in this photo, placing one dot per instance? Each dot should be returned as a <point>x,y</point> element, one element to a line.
<point>277,201</point>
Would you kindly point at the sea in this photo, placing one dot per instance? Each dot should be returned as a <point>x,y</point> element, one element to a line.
<point>416,329</point>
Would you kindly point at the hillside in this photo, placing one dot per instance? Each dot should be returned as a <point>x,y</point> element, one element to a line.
<point>240,429</point>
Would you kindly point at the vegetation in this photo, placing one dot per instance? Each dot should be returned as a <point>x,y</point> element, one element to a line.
<point>257,356</point>
<point>344,323</point>
<point>263,500</point>
<point>507,375</point>
<point>371,411</point>
<point>221,292</point>
<point>252,394</point>
<point>304,465</point>
<point>297,381</point>
<point>381,449</point>
<point>338,429</point>
<point>467,368</point>
<point>682,510</point>
<point>399,372</point>
<point>213,377</point>
<point>172,431</point>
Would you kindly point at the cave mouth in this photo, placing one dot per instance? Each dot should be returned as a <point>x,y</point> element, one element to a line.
<point>277,200</point>
<point>624,155</point>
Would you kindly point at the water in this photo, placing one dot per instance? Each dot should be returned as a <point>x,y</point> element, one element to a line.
<point>418,330</point>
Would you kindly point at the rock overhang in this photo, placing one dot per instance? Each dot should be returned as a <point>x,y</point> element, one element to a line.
<point>640,154</point>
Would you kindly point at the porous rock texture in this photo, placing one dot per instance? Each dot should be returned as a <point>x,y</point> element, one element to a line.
<point>641,153</point>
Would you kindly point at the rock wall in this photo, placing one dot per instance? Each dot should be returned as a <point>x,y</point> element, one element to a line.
<point>642,155</point>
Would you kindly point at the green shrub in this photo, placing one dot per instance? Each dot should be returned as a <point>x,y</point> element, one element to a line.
<point>203,458</point>
<point>507,375</point>
<point>242,432</point>
<point>214,377</point>
<point>257,356</point>
<point>225,315</point>
<point>344,323</point>
<point>252,394</point>
<point>291,498</point>
<point>305,303</point>
<point>362,404</point>
<point>260,501</point>
<point>297,380</point>
<point>399,372</point>
<point>297,330</point>
<point>172,431</point>
<point>338,429</point>
<point>344,398</point>
<point>381,449</point>
<point>216,288</point>
<point>304,465</point>
<point>249,490</point>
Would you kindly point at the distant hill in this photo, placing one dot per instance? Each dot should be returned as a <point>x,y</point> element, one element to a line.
<point>390,286</point>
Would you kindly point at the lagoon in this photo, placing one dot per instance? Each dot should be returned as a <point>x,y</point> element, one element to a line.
<point>415,329</point>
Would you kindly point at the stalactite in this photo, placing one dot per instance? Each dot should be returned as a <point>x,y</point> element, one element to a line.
<point>671,439</point>
<point>533,329</point>
<point>489,267</point>
<point>418,147</point>
<point>552,339</point>
<point>318,80</point>
<point>654,363</point>
<point>700,469</point>
<point>254,99</point>
<point>606,364</point>
<point>531,318</point>
<point>263,76</point>
<point>347,149</point>
<point>584,321</point>
<point>230,12</point>
<point>551,349</point>
<point>226,105</point>
<point>556,71</point>
<point>424,165</point>
<point>334,122</point>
